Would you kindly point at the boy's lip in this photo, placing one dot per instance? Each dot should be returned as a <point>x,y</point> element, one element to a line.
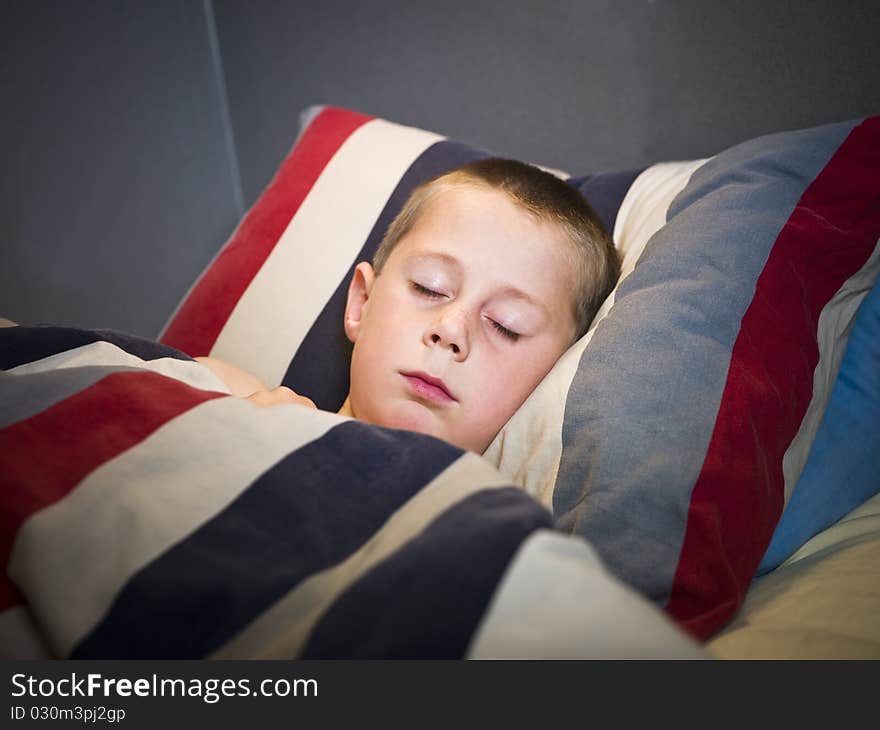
<point>429,387</point>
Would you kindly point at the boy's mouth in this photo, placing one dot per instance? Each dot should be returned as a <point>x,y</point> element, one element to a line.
<point>428,387</point>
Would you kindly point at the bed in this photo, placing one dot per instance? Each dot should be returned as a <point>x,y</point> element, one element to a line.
<point>696,478</point>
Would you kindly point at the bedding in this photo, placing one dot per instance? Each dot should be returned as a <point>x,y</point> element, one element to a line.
<point>821,603</point>
<point>674,436</point>
<point>690,411</point>
<point>148,514</point>
<point>698,436</point>
<point>844,452</point>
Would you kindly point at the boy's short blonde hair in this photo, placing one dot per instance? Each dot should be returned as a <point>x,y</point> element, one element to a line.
<point>543,195</point>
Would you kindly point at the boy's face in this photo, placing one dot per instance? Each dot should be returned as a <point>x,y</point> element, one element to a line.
<point>472,308</point>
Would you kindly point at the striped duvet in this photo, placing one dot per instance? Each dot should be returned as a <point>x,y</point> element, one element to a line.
<point>147,514</point>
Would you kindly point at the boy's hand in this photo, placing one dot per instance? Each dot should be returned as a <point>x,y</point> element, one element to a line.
<point>245,385</point>
<point>240,382</point>
<point>276,396</point>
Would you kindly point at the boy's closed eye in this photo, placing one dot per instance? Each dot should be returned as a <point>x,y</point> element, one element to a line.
<point>504,331</point>
<point>432,294</point>
<point>425,291</point>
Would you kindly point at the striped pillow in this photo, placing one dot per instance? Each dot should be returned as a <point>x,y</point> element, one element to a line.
<point>273,299</point>
<point>672,435</point>
<point>841,471</point>
<point>675,432</point>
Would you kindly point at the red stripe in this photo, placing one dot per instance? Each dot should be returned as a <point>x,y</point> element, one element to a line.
<point>44,457</point>
<point>738,497</point>
<point>198,323</point>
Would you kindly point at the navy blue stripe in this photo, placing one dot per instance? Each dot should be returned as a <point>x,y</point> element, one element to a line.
<point>605,192</point>
<point>309,512</point>
<point>426,600</point>
<point>320,368</point>
<point>19,345</point>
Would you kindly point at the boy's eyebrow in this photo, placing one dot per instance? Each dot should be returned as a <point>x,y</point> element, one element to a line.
<point>444,257</point>
<point>509,290</point>
<point>512,291</point>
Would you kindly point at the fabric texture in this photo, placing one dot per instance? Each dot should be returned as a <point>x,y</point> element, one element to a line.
<point>694,405</point>
<point>843,467</point>
<point>673,435</point>
<point>147,514</point>
<point>821,603</point>
<point>216,528</point>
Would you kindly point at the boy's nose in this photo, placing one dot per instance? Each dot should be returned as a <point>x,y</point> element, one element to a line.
<point>449,330</point>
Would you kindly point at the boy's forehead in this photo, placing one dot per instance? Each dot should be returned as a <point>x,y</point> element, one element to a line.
<point>467,195</point>
<point>477,205</point>
<point>489,210</point>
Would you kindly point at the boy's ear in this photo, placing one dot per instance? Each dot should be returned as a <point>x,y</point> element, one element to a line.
<point>358,294</point>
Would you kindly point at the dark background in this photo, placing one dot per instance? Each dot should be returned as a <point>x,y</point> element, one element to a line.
<point>135,134</point>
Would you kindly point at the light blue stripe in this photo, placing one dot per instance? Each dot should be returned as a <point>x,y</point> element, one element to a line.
<point>843,468</point>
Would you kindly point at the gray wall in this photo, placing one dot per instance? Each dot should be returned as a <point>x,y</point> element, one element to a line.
<point>134,132</point>
<point>117,186</point>
<point>586,86</point>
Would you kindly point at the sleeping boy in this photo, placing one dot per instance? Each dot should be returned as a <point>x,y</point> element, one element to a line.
<point>483,280</point>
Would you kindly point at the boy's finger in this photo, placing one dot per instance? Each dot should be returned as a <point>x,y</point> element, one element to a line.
<point>281,394</point>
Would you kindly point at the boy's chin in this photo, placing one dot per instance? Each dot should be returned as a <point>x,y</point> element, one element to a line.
<point>411,415</point>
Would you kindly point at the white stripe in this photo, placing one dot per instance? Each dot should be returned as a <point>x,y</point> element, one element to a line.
<point>529,447</point>
<point>106,353</point>
<point>645,206</point>
<point>19,636</point>
<point>281,632</point>
<point>558,601</point>
<point>318,247</point>
<point>72,558</point>
<point>835,324</point>
<point>36,386</point>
